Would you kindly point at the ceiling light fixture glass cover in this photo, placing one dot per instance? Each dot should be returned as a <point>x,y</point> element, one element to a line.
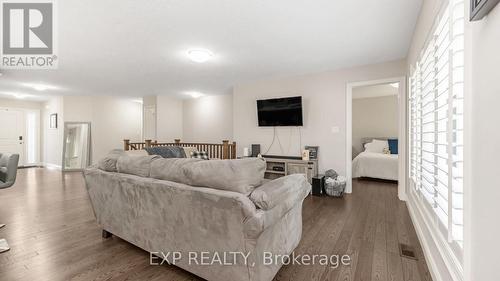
<point>195,94</point>
<point>199,55</point>
<point>39,87</point>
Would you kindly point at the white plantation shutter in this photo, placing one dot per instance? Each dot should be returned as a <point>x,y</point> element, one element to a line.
<point>436,123</point>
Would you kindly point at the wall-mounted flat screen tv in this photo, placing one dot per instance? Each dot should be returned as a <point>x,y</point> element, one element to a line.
<point>280,112</point>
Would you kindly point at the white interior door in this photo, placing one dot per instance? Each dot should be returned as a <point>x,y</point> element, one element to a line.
<point>12,132</point>
<point>149,122</point>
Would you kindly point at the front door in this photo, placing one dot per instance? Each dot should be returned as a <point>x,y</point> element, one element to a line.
<point>12,132</point>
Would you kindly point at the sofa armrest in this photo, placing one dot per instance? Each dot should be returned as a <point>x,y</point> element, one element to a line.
<point>275,199</point>
<point>290,188</point>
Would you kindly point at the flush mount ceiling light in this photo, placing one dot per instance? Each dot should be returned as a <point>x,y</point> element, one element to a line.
<point>199,55</point>
<point>39,87</point>
<point>194,94</point>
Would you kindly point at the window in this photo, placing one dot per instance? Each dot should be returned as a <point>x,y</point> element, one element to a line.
<point>436,125</point>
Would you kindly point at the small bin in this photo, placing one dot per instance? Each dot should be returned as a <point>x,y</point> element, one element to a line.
<point>335,187</point>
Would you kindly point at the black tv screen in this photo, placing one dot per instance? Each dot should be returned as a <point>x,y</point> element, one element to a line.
<point>280,112</point>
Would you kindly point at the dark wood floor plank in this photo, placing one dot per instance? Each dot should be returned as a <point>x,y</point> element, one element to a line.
<point>340,248</point>
<point>379,265</point>
<point>394,267</point>
<point>348,273</point>
<point>53,236</point>
<point>326,239</point>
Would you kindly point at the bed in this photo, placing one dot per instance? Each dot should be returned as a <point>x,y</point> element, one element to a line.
<point>374,163</point>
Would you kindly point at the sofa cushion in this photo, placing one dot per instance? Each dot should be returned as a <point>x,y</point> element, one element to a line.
<point>136,165</point>
<point>272,193</point>
<point>171,169</point>
<point>108,163</point>
<point>238,175</point>
<point>139,152</point>
<point>241,175</point>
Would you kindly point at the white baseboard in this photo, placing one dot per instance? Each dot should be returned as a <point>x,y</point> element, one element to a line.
<point>437,253</point>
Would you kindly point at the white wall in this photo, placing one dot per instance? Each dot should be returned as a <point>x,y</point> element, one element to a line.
<point>208,119</point>
<point>483,96</point>
<point>112,120</point>
<point>373,117</point>
<point>15,103</point>
<point>324,102</point>
<point>52,138</point>
<point>169,118</point>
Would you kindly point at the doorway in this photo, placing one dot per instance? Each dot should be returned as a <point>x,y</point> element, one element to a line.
<point>20,134</point>
<point>372,129</point>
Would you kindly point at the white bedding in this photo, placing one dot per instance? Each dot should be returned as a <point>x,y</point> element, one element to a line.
<point>375,165</point>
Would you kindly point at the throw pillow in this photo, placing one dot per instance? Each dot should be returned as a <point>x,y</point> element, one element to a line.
<point>167,151</point>
<point>393,146</point>
<point>200,155</point>
<point>376,146</point>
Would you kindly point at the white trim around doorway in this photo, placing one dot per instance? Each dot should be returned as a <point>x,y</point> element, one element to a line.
<point>402,98</point>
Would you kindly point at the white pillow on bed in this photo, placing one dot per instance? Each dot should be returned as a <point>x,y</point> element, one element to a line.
<point>376,146</point>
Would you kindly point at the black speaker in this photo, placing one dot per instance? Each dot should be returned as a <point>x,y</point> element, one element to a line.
<point>255,150</point>
<point>317,185</point>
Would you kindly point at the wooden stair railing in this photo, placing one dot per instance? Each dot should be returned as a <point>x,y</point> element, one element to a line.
<point>224,150</point>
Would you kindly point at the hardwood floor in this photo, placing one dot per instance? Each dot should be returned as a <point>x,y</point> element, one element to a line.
<point>53,236</point>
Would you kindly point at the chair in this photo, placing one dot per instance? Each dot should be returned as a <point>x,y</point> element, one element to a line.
<point>8,173</point>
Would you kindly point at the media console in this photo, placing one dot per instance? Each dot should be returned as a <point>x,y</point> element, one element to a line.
<point>279,166</point>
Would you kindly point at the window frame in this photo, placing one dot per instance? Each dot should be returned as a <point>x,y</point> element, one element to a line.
<point>441,231</point>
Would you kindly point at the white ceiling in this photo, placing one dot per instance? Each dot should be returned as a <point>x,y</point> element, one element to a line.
<point>137,48</point>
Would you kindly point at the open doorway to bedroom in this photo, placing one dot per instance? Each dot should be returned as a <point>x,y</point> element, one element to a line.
<point>375,132</point>
<point>376,128</point>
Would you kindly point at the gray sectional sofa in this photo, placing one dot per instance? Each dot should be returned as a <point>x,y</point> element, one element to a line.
<point>199,208</point>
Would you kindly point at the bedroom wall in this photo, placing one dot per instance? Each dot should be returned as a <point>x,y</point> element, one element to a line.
<point>373,117</point>
<point>208,119</point>
<point>324,106</point>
